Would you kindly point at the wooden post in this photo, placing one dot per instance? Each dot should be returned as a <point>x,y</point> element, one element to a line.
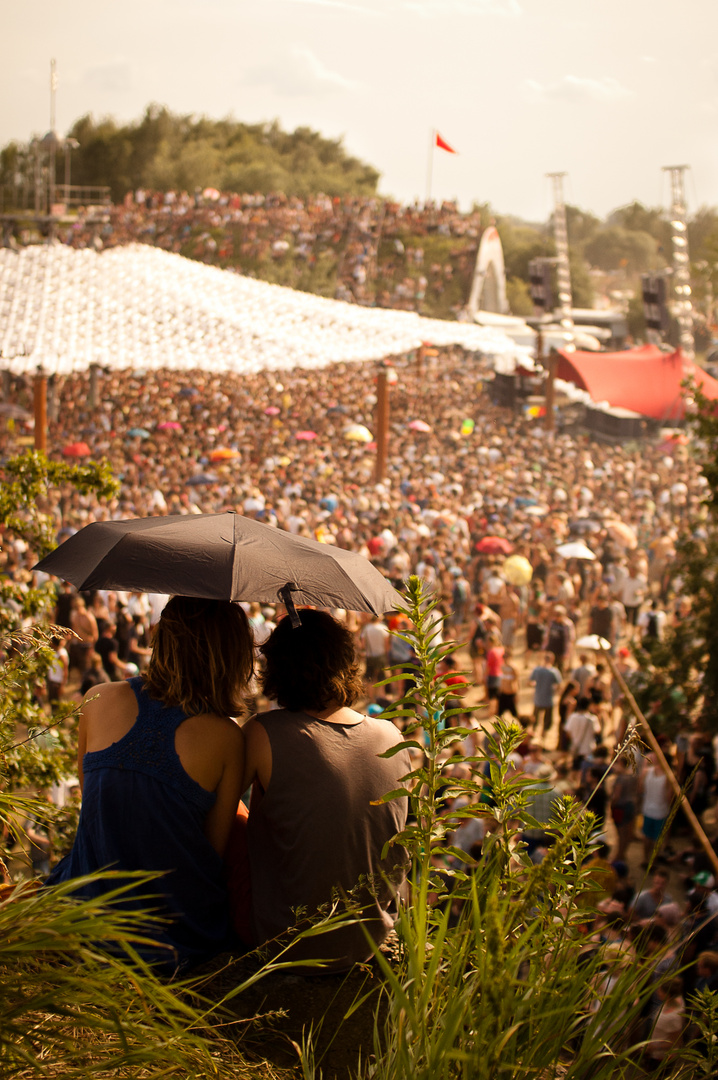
<point>550,376</point>
<point>40,401</point>
<point>381,423</point>
<point>661,759</point>
<point>94,396</point>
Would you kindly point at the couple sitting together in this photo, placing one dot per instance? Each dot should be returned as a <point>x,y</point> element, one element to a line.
<point>163,767</point>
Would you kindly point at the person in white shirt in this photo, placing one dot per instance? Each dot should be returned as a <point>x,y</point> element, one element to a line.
<point>375,637</point>
<point>582,727</point>
<point>632,594</point>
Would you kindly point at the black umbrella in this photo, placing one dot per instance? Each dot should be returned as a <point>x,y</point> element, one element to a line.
<point>202,478</point>
<point>222,557</point>
<point>584,525</point>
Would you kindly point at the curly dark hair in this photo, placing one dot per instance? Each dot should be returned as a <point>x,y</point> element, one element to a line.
<point>202,657</point>
<point>312,666</point>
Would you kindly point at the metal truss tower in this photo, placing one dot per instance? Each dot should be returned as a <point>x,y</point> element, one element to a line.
<point>563,272</point>
<point>682,306</point>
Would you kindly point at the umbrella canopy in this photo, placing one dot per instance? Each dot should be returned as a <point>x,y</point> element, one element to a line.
<point>517,570</point>
<point>272,410</point>
<point>77,449</point>
<point>169,425</point>
<point>306,436</point>
<point>592,641</point>
<point>14,412</point>
<point>575,549</point>
<point>623,533</point>
<point>495,545</point>
<point>223,453</point>
<point>222,557</point>
<point>202,478</point>
<point>584,525</point>
<point>358,433</point>
<point>138,433</point>
<point>419,425</point>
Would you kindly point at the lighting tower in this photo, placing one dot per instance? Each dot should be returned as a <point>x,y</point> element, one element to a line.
<point>682,305</point>
<point>563,273</point>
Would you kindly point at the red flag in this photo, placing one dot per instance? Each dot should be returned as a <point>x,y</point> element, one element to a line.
<point>442,145</point>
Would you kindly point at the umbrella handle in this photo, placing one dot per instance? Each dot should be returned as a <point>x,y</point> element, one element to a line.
<point>285,595</point>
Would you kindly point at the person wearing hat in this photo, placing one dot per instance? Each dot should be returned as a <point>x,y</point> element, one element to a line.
<point>704,884</point>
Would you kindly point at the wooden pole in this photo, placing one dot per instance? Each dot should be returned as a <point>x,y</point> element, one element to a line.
<point>661,759</point>
<point>382,423</point>
<point>94,396</point>
<point>550,377</point>
<point>430,166</point>
<point>40,402</point>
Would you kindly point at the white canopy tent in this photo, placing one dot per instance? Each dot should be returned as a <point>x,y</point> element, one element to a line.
<point>141,307</point>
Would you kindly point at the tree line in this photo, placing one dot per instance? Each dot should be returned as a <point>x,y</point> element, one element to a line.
<point>163,151</point>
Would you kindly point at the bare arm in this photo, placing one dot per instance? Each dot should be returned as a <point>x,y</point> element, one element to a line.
<point>258,755</point>
<point>218,823</point>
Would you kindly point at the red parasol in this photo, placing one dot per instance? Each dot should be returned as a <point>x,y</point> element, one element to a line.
<point>77,449</point>
<point>495,545</point>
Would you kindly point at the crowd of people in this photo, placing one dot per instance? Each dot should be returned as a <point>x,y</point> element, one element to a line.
<point>457,503</point>
<point>249,231</point>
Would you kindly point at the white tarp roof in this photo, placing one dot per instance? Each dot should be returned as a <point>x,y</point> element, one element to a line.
<point>138,306</point>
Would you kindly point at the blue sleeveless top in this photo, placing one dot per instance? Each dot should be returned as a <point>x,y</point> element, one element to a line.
<point>142,811</point>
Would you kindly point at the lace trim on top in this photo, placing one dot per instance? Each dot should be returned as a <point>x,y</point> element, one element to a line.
<point>149,748</point>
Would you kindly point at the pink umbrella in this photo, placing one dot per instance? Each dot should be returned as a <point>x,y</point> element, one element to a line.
<point>272,410</point>
<point>419,425</point>
<point>169,425</point>
<point>306,436</point>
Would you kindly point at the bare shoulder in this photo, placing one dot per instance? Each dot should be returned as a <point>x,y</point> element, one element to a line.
<point>254,732</point>
<point>111,695</point>
<point>217,728</point>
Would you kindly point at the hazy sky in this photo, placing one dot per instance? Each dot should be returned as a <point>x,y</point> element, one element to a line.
<point>608,91</point>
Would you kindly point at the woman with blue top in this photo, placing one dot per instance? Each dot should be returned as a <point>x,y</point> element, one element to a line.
<point>160,764</point>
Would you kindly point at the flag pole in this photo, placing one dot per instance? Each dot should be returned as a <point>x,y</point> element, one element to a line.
<point>432,144</point>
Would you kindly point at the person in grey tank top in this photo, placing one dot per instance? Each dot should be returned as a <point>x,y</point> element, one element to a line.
<point>314,833</point>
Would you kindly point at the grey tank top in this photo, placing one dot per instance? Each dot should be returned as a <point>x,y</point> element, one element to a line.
<point>314,832</point>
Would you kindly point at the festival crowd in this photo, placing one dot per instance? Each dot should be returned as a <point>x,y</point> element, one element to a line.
<point>458,502</point>
<point>249,230</point>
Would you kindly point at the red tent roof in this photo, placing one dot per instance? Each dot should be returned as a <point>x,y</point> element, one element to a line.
<point>645,380</point>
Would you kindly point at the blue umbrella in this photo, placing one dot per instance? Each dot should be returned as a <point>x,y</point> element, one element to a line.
<point>202,478</point>
<point>138,433</point>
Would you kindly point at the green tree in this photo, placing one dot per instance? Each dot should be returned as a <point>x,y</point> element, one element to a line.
<point>167,151</point>
<point>678,678</point>
<point>635,217</point>
<point>581,226</point>
<point>617,248</point>
<point>518,295</point>
<point>26,483</point>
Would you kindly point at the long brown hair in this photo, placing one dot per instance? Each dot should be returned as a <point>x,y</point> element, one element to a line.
<point>202,657</point>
